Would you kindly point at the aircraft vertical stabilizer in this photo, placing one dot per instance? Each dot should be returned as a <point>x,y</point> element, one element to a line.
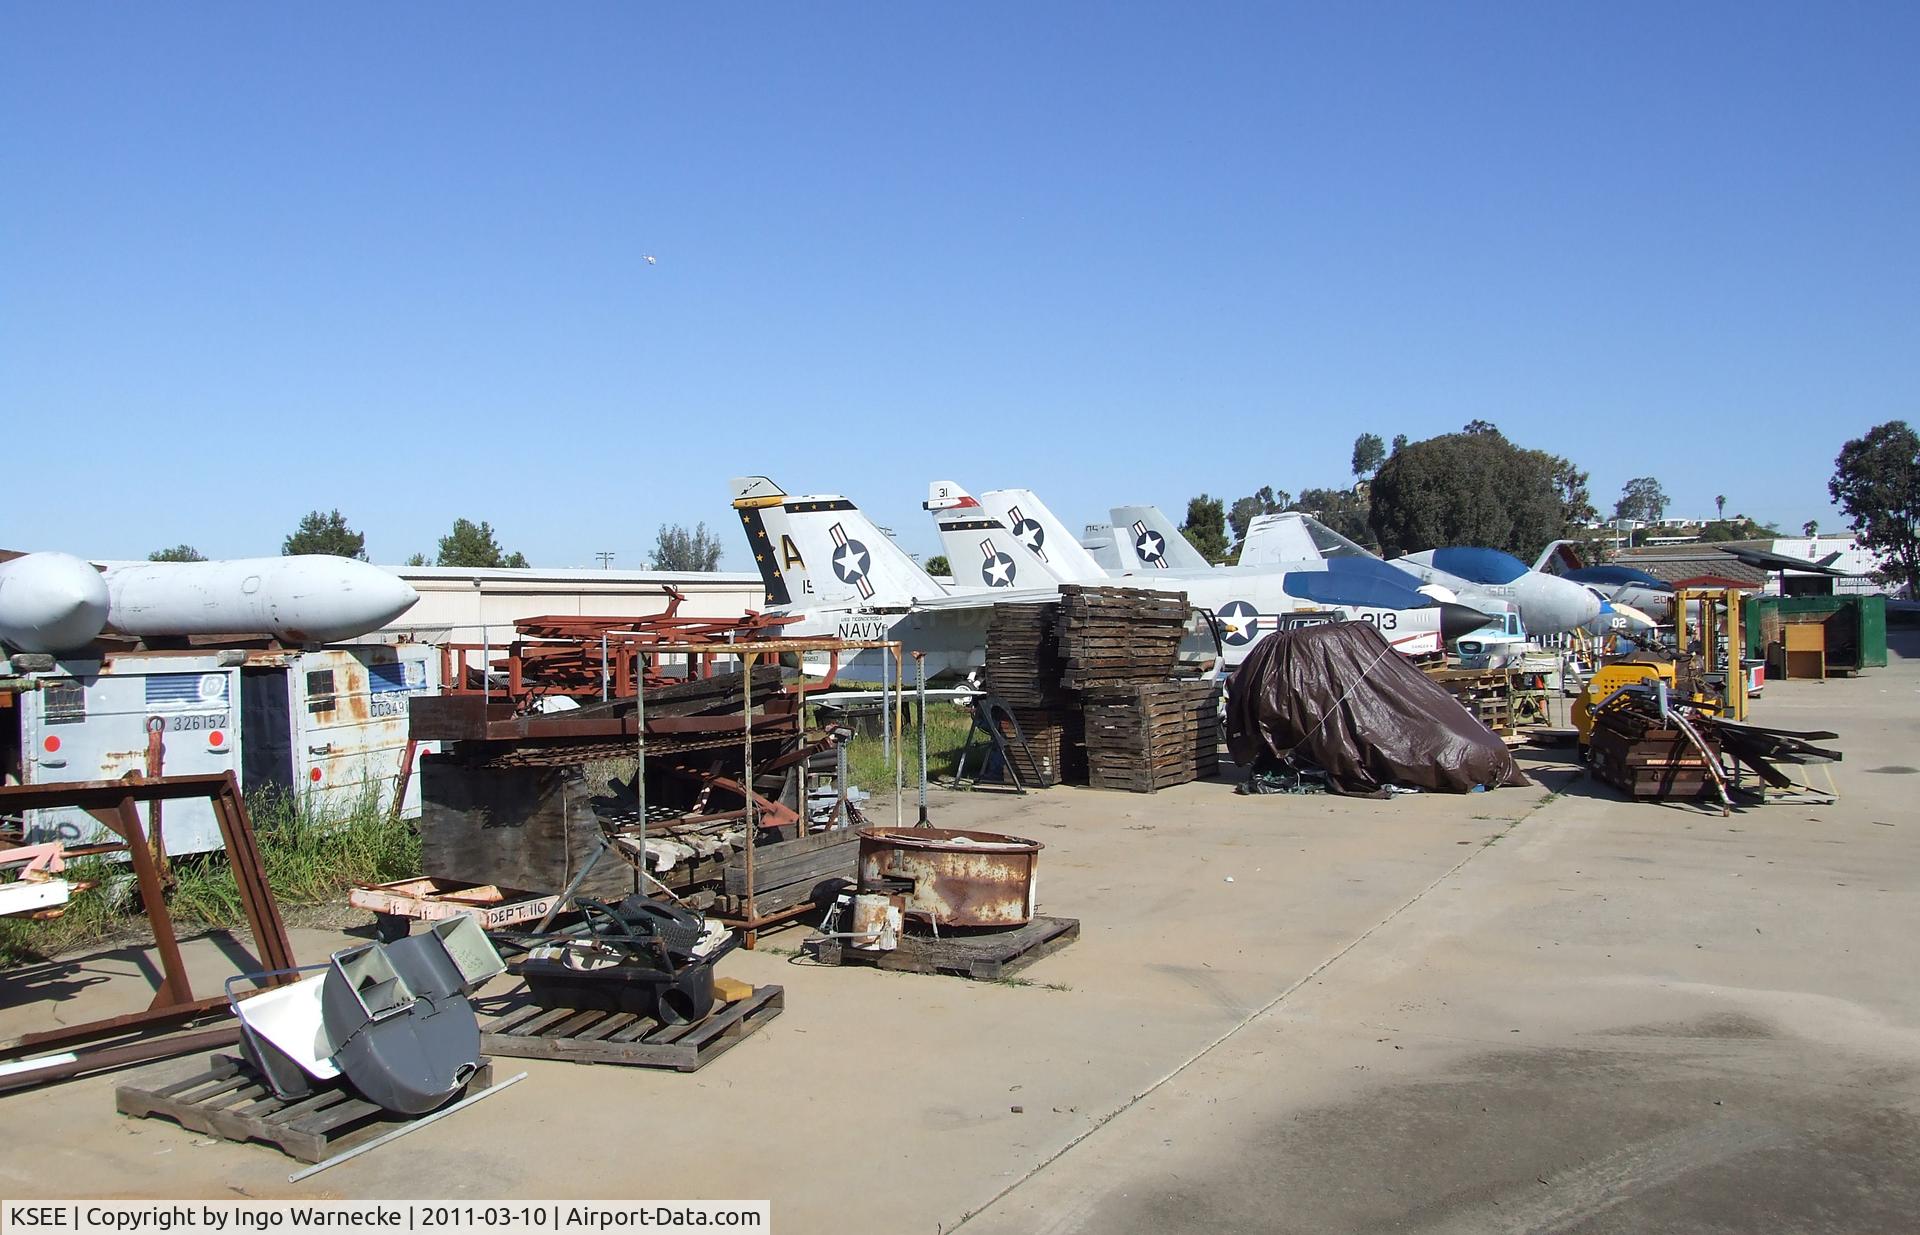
<point>980,549</point>
<point>1149,541</point>
<point>1097,539</point>
<point>1035,526</point>
<point>821,550</point>
<point>1293,537</point>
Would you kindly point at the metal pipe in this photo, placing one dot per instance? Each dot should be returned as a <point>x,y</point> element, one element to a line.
<point>920,676</point>
<point>899,752</point>
<point>640,774</point>
<point>886,713</point>
<point>603,667</point>
<point>840,778</point>
<point>746,783</point>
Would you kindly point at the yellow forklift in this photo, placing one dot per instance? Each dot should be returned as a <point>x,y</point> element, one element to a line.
<point>1705,669</point>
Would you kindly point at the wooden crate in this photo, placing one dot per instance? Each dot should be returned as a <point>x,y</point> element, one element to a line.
<point>1023,656</point>
<point>1644,762</point>
<point>984,955</point>
<point>1153,736</point>
<point>1486,694</point>
<point>230,1101</point>
<point>1111,637</point>
<point>515,1025</point>
<point>1057,739</point>
<point>518,827</point>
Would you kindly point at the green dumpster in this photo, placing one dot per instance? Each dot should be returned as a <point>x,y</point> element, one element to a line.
<point>1856,627</point>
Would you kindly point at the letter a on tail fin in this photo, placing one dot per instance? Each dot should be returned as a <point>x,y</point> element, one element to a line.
<point>822,551</point>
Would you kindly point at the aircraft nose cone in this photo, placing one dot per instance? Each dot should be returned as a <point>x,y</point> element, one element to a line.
<point>1588,608</point>
<point>391,595</point>
<point>1457,619</point>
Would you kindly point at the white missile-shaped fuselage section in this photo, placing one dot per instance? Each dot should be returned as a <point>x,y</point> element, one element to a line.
<point>53,602</point>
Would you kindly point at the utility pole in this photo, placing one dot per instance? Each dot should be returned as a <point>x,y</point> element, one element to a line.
<point>606,559</point>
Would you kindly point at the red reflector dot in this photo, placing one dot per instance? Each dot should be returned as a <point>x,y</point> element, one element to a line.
<point>216,738</point>
<point>52,744</point>
<point>314,775</point>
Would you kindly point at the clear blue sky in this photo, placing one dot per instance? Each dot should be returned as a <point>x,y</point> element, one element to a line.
<point>256,259</point>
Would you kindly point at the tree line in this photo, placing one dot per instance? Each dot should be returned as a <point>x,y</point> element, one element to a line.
<point>468,544</point>
<point>1477,487</point>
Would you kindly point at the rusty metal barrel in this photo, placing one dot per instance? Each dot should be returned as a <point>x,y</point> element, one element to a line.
<point>956,878</point>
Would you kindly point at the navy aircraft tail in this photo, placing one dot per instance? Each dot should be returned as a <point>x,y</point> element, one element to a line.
<point>822,551</point>
<point>1146,540</point>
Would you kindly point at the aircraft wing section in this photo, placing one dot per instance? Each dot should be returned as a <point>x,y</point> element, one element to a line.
<point>986,600</point>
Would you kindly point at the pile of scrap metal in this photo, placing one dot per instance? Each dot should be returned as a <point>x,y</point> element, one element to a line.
<point>592,658</point>
<point>1335,704</point>
<point>643,956</point>
<point>509,802</point>
<point>1647,742</point>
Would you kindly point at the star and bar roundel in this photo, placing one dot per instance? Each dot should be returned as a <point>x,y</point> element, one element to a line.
<point>1149,544</point>
<point>996,568</point>
<point>1239,623</point>
<point>1029,532</point>
<point>851,562</point>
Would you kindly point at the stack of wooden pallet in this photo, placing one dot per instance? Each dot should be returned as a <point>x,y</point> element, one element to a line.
<point>1023,655</point>
<point>1486,694</point>
<point>1056,751</point>
<point>1113,637</point>
<point>1153,735</point>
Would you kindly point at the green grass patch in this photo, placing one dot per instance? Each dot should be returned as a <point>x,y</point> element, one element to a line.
<point>311,856</point>
<point>869,769</point>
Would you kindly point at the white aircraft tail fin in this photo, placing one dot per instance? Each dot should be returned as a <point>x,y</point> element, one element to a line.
<point>1147,541</point>
<point>1036,527</point>
<point>980,548</point>
<point>1276,538</point>
<point>1097,539</point>
<point>1291,536</point>
<point>822,551</point>
<point>1559,557</point>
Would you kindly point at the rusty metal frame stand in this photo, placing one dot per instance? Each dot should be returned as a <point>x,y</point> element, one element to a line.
<point>114,803</point>
<point>749,653</point>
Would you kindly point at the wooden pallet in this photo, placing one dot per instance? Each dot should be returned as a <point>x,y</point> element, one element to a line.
<point>230,1101</point>
<point>1153,736</point>
<point>1119,636</point>
<point>986,955</point>
<point>1487,694</point>
<point>1023,661</point>
<point>523,1029</point>
<point>1057,739</point>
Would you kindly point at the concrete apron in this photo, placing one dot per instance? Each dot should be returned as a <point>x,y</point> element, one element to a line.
<point>1325,1042</point>
<point>1198,908</point>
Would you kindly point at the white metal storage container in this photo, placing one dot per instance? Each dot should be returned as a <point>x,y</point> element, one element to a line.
<point>329,724</point>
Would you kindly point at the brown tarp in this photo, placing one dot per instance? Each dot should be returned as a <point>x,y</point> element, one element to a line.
<point>1338,697</point>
